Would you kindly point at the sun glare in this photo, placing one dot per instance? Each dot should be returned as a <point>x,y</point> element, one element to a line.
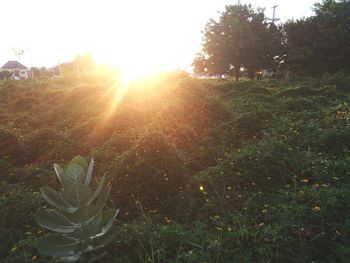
<point>135,64</point>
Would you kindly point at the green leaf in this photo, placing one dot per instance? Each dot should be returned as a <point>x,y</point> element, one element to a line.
<point>97,220</point>
<point>72,258</point>
<point>108,218</point>
<point>54,221</point>
<point>89,172</point>
<point>53,198</point>
<point>77,194</point>
<point>86,214</point>
<point>58,245</point>
<point>79,160</point>
<point>75,174</point>
<point>98,189</point>
<point>102,199</point>
<point>107,238</point>
<point>86,233</point>
<point>60,174</point>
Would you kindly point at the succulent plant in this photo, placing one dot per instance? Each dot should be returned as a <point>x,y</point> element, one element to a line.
<point>79,221</point>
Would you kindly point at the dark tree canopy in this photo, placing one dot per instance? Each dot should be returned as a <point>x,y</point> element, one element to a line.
<point>241,38</point>
<point>320,43</point>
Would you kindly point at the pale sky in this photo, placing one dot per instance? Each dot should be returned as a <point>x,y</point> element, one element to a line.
<point>146,34</point>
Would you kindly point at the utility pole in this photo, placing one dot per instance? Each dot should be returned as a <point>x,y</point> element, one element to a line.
<point>31,63</point>
<point>59,62</point>
<point>78,66</point>
<point>274,14</point>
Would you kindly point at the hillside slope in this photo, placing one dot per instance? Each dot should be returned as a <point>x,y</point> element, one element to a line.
<point>250,171</point>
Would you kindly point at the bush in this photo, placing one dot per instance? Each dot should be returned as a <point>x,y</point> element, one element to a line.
<point>17,204</point>
<point>11,147</point>
<point>153,171</point>
<point>41,145</point>
<point>340,79</point>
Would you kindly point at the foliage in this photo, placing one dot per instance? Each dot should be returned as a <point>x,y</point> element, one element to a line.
<point>79,221</point>
<point>5,74</point>
<point>257,171</point>
<point>241,38</point>
<point>319,44</point>
<point>11,146</point>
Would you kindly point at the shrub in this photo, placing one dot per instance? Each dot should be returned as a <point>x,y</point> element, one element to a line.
<point>10,146</point>
<point>41,145</point>
<point>340,79</point>
<point>79,220</point>
<point>302,91</point>
<point>299,104</point>
<point>152,170</point>
<point>16,203</point>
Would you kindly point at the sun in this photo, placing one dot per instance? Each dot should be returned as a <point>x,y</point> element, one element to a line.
<point>135,63</point>
<point>142,43</point>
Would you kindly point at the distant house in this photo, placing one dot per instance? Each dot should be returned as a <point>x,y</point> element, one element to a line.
<point>18,70</point>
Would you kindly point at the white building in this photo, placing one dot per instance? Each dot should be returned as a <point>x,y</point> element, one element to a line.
<point>18,70</point>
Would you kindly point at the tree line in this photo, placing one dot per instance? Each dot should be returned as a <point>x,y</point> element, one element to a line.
<point>243,39</point>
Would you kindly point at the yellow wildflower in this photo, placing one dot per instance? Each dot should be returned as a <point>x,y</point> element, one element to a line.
<point>13,249</point>
<point>316,209</point>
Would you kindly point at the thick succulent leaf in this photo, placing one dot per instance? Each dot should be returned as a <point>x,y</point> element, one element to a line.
<point>58,245</point>
<point>98,189</point>
<point>97,220</point>
<point>77,194</point>
<point>79,160</point>
<point>86,233</point>
<point>55,199</point>
<point>102,199</point>
<point>108,218</point>
<point>72,258</point>
<point>86,214</point>
<point>89,172</point>
<point>75,174</point>
<point>104,240</point>
<point>54,221</point>
<point>60,174</point>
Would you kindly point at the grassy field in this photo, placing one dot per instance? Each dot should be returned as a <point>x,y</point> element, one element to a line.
<point>202,170</point>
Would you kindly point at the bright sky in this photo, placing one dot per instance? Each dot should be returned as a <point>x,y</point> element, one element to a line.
<point>134,34</point>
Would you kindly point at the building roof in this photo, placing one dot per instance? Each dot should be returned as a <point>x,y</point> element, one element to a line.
<point>13,65</point>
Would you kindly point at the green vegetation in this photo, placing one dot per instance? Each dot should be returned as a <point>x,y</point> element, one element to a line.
<point>82,224</point>
<point>202,170</point>
<point>244,40</point>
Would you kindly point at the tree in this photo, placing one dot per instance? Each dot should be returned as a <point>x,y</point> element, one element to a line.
<point>320,43</point>
<point>5,74</point>
<point>242,37</point>
<point>199,64</point>
<point>81,66</point>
